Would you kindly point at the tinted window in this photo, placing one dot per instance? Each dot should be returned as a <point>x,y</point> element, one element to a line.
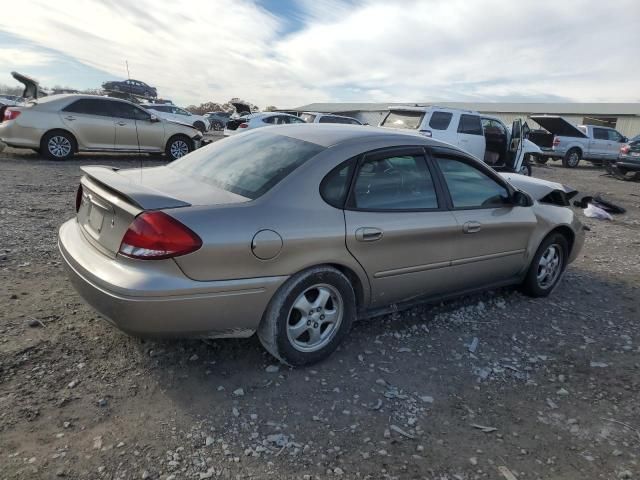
<point>90,106</point>
<point>600,134</point>
<point>307,117</point>
<point>126,110</point>
<point>247,165</point>
<point>335,186</point>
<point>469,187</point>
<point>470,124</point>
<point>614,136</point>
<point>403,119</point>
<point>440,120</point>
<point>332,119</point>
<point>394,183</point>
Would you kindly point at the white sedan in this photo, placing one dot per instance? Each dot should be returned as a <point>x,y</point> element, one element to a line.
<point>257,120</point>
<point>180,115</point>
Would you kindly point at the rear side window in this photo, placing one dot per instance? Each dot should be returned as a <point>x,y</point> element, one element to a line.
<point>247,165</point>
<point>440,120</point>
<point>394,183</point>
<point>90,106</point>
<point>335,186</point>
<point>600,134</point>
<point>470,124</point>
<point>403,119</point>
<point>332,119</point>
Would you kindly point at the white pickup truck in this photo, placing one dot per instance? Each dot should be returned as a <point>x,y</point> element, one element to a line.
<point>571,143</point>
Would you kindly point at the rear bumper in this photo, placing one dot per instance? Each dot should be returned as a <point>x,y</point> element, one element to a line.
<point>156,299</point>
<point>628,162</point>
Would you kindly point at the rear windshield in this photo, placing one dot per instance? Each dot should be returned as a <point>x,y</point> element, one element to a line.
<point>403,119</point>
<point>247,165</point>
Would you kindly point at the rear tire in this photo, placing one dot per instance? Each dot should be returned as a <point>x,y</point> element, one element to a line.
<point>547,266</point>
<point>308,317</point>
<point>217,126</point>
<point>541,160</point>
<point>571,158</point>
<point>178,146</point>
<point>58,145</point>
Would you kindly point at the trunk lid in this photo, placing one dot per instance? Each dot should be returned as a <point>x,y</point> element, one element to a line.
<point>241,108</point>
<point>112,199</point>
<point>558,126</point>
<point>31,86</point>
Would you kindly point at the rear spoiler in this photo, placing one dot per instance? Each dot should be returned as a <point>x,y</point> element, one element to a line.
<point>135,193</point>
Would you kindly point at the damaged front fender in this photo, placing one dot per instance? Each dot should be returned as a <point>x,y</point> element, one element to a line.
<point>543,191</point>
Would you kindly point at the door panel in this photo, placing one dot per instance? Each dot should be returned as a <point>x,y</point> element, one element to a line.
<point>407,254</point>
<point>491,243</point>
<point>471,136</point>
<point>90,120</point>
<point>395,229</point>
<point>135,131</point>
<point>599,145</point>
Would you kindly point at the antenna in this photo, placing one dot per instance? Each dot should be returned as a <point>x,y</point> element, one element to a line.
<point>135,120</point>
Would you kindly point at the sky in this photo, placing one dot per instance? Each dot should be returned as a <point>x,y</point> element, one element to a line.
<point>293,52</point>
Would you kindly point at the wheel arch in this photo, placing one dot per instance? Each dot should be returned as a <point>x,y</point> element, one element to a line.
<point>61,130</point>
<point>567,233</point>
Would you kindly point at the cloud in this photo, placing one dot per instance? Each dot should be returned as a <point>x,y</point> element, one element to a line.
<point>372,50</point>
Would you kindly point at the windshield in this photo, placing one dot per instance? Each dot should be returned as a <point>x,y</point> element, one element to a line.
<point>403,119</point>
<point>247,165</point>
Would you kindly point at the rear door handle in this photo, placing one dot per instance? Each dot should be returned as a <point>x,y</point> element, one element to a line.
<point>122,124</point>
<point>368,234</point>
<point>471,227</point>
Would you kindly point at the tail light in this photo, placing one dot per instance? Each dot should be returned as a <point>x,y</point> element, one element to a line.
<point>426,133</point>
<point>156,235</point>
<point>78,198</point>
<point>625,149</point>
<point>243,125</point>
<point>556,141</point>
<point>10,114</point>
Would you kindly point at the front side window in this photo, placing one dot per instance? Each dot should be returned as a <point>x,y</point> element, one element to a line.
<point>471,188</point>
<point>89,106</point>
<point>440,120</point>
<point>128,111</point>
<point>614,136</point>
<point>394,183</point>
<point>470,124</point>
<point>403,119</point>
<point>247,165</point>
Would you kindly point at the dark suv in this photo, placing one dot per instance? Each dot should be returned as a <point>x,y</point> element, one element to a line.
<point>132,87</point>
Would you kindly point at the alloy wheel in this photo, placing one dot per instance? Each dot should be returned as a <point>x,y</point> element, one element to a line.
<point>574,158</point>
<point>179,148</point>
<point>314,318</point>
<point>59,146</point>
<point>549,266</point>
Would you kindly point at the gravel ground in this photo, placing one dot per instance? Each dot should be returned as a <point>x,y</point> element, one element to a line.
<point>495,386</point>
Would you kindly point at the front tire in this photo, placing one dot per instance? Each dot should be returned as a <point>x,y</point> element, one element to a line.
<point>178,146</point>
<point>571,158</point>
<point>309,316</point>
<point>547,266</point>
<point>200,126</point>
<point>58,145</point>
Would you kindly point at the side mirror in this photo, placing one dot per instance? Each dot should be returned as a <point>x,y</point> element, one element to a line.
<point>154,119</point>
<point>521,199</point>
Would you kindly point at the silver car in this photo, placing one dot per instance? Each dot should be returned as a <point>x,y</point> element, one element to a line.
<point>58,126</point>
<point>293,232</point>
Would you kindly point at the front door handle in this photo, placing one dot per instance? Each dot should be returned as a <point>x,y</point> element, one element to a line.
<point>471,227</point>
<point>368,234</point>
<point>70,118</point>
<point>122,124</point>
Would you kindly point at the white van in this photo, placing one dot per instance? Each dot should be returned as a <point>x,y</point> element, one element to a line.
<point>484,137</point>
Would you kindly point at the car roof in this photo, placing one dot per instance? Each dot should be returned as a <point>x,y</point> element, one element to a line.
<point>78,96</point>
<point>328,134</point>
<point>418,108</point>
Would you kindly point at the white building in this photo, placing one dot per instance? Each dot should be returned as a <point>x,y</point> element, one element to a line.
<point>625,117</point>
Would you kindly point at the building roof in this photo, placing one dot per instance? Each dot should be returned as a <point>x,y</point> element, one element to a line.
<point>614,109</point>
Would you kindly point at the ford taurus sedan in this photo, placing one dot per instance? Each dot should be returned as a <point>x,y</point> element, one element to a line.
<point>293,232</point>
